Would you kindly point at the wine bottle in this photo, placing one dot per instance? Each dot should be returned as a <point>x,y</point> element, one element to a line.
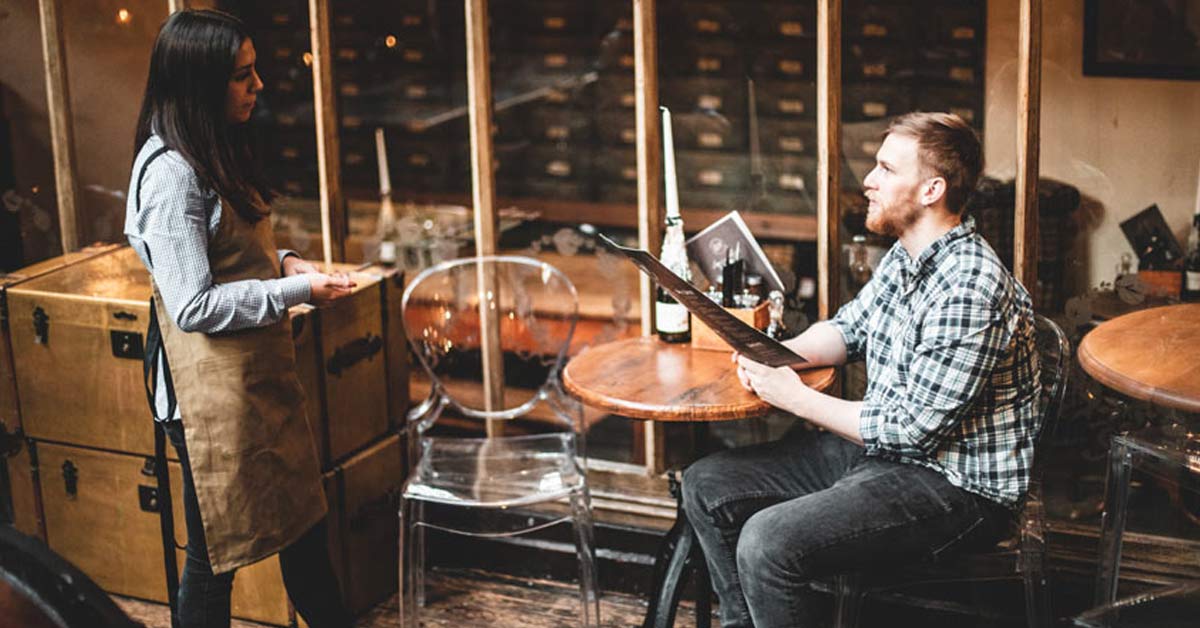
<point>672,321</point>
<point>1191,264</point>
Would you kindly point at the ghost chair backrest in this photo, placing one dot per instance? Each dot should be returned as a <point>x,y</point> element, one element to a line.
<point>529,307</point>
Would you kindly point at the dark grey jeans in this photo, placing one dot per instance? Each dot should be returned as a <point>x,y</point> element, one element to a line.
<point>773,517</point>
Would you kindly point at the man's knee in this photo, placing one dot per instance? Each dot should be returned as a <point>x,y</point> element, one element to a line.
<point>762,550</point>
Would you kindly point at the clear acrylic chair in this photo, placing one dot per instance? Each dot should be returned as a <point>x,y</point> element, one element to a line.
<point>533,309</point>
<point>1022,553</point>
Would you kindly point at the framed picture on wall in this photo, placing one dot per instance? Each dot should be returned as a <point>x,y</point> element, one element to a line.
<point>1142,38</point>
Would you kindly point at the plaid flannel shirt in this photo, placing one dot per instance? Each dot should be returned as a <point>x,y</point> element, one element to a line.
<point>951,365</point>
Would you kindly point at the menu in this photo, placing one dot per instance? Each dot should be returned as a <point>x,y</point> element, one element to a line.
<point>744,338</point>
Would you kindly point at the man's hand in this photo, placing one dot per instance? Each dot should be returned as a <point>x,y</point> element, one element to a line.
<point>778,386</point>
<point>293,265</point>
<point>329,288</point>
<point>741,372</point>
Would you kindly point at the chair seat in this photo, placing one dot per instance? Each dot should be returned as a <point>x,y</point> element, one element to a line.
<point>495,472</point>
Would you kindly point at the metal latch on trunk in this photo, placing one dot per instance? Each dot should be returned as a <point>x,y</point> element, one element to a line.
<point>353,352</point>
<point>148,498</point>
<point>41,326</point>
<point>70,478</point>
<point>126,344</point>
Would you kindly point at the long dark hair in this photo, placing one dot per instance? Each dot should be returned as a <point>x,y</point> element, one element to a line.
<point>190,67</point>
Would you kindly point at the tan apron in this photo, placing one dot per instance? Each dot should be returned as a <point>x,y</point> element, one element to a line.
<point>254,463</point>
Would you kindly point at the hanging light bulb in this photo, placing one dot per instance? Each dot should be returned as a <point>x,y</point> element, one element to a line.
<point>124,17</point>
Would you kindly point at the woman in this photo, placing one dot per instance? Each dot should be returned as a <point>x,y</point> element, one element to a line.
<point>198,216</point>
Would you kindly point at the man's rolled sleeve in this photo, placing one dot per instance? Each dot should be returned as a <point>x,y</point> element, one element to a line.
<point>961,342</point>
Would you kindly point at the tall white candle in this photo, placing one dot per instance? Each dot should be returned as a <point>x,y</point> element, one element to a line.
<point>385,178</point>
<point>671,185</point>
<point>1197,210</point>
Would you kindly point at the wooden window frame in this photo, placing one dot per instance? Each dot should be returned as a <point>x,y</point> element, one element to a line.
<point>649,156</point>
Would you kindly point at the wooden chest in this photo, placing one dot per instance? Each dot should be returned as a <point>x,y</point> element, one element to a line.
<point>101,515</point>
<point>9,412</point>
<point>395,343</point>
<point>23,492</point>
<point>364,491</point>
<point>77,338</point>
<point>351,367</point>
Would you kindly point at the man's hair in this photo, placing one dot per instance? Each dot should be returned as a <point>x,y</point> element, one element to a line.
<point>947,147</point>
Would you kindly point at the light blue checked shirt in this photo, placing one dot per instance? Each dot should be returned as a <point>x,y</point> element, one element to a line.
<point>952,373</point>
<point>178,217</point>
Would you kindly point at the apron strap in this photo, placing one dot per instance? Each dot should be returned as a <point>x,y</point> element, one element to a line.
<point>155,351</point>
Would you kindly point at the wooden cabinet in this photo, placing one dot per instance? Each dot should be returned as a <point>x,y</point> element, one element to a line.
<point>364,492</point>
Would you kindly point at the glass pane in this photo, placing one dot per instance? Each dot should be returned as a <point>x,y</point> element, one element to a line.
<point>104,42</point>
<point>284,118</point>
<point>29,210</point>
<point>892,64</point>
<point>402,98</point>
<point>739,82</point>
<point>564,133</point>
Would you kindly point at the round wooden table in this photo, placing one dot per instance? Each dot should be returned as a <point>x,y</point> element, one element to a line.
<point>646,378</point>
<point>1152,355</point>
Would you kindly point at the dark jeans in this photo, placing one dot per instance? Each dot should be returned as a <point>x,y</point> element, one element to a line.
<point>773,517</point>
<point>307,570</point>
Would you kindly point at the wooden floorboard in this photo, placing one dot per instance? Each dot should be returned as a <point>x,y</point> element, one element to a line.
<point>458,598</point>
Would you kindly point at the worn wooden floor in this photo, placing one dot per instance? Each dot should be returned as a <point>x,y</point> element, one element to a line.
<point>465,598</point>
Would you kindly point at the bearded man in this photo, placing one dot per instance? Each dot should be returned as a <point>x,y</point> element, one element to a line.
<point>936,457</point>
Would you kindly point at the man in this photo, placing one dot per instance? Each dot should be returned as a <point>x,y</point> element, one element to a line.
<point>938,454</point>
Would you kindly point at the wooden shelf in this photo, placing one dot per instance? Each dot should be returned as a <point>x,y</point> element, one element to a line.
<point>776,226</point>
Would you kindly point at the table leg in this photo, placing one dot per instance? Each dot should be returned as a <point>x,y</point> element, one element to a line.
<point>1112,523</point>
<point>679,553</point>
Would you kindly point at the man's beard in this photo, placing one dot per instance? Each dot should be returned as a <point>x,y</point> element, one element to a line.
<point>893,220</point>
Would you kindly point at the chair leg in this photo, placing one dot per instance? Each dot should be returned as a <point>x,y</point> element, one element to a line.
<point>585,548</point>
<point>849,592</point>
<point>1112,524</point>
<point>412,562</point>
<point>1037,600</point>
<point>703,588</point>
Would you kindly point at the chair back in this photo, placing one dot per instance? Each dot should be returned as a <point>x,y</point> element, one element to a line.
<point>40,589</point>
<point>1054,353</point>
<point>528,307</point>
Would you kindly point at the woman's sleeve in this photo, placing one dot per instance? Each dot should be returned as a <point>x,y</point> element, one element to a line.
<point>173,221</point>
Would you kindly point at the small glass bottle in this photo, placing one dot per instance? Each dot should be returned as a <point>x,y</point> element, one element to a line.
<point>775,328</point>
<point>860,268</point>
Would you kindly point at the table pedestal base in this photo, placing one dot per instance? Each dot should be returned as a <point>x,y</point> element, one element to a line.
<point>678,555</point>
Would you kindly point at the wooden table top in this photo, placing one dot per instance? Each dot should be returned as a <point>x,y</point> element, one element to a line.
<point>1152,355</point>
<point>646,378</point>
